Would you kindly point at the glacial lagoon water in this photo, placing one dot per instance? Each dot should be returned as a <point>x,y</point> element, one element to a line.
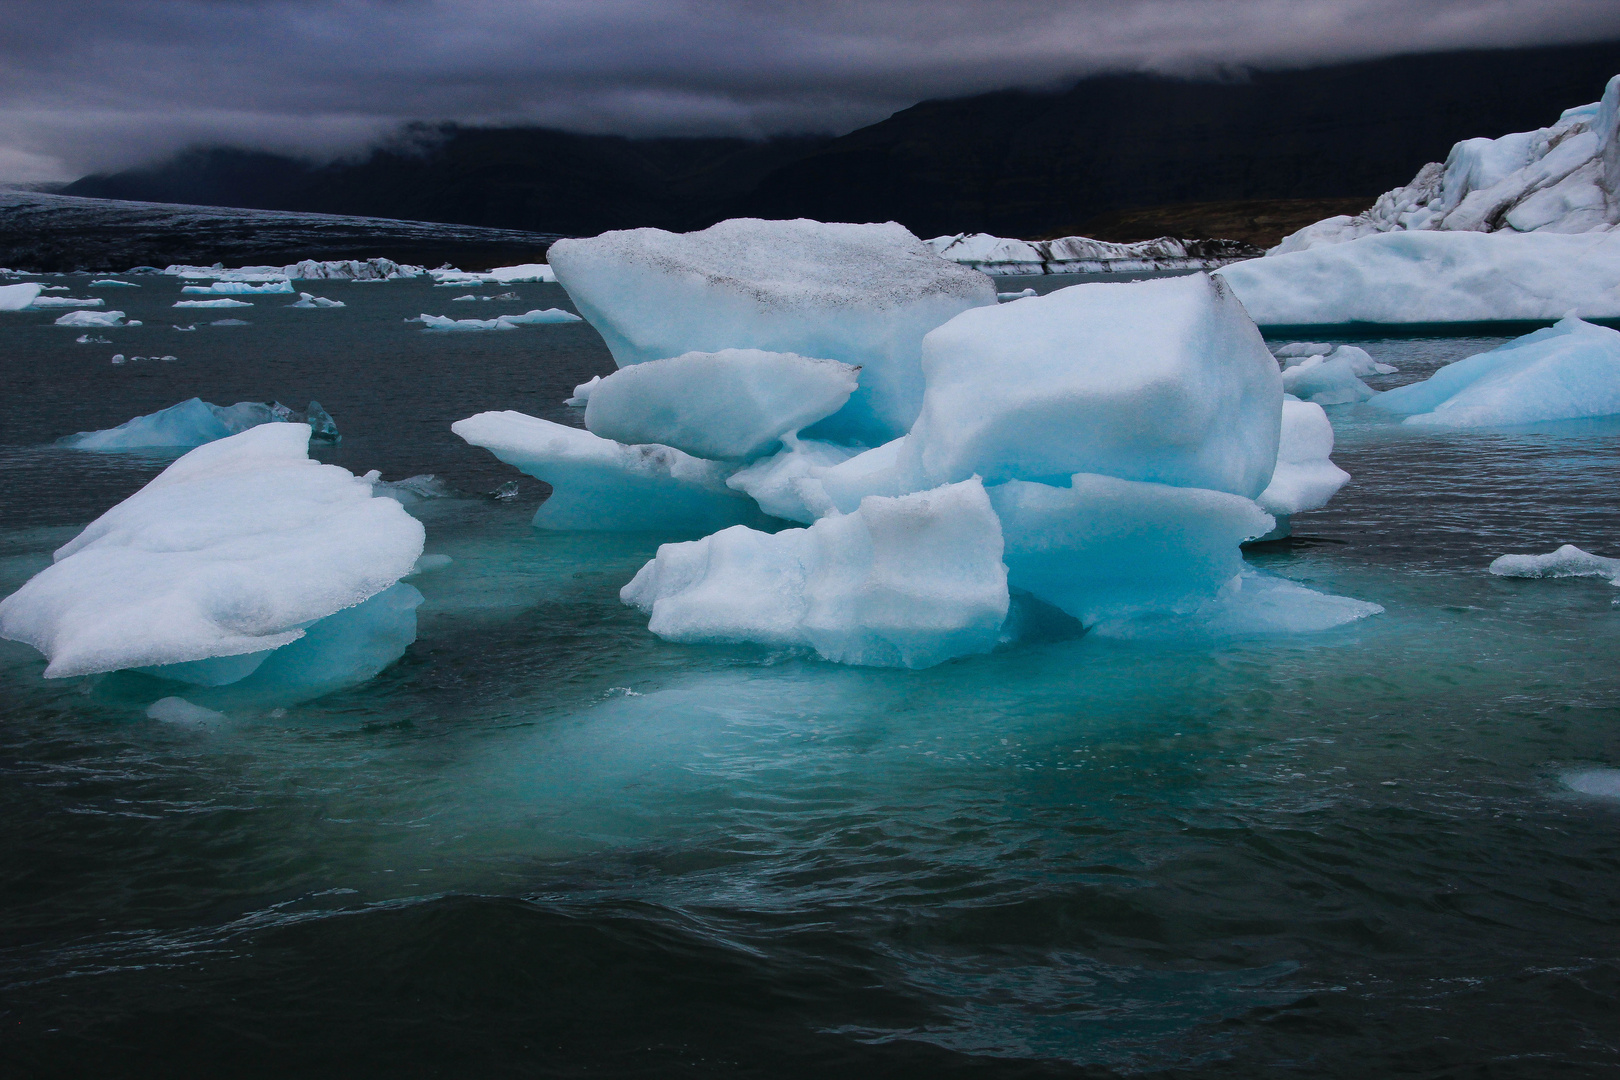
<point>546,843</point>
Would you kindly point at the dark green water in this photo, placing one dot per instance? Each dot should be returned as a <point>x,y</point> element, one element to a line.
<point>547,844</point>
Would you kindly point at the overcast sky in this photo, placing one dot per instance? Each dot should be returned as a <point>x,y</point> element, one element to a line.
<point>98,84</point>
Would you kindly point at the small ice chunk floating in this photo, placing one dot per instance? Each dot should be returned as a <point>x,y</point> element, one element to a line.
<point>1105,449</point>
<point>243,564</point>
<point>1567,561</point>
<point>195,422</point>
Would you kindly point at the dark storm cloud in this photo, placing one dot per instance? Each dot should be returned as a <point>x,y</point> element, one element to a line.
<point>87,84</point>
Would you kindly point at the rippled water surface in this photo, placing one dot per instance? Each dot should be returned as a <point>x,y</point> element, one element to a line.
<point>546,843</point>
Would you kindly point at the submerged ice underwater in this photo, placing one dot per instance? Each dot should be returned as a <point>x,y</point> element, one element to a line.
<point>890,689</point>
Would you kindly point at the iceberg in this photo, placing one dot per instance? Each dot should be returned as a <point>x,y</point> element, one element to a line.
<point>240,549</point>
<point>735,404</point>
<point>861,294</point>
<point>194,422</point>
<point>502,322</point>
<point>1434,277</point>
<point>903,582</point>
<point>20,296</point>
<point>306,269</point>
<point>110,283</point>
<point>1000,255</point>
<point>1564,372</point>
<point>307,300</point>
<point>1517,228</point>
<point>86,339</point>
<point>1165,381</point>
<point>43,303</point>
<point>1104,549</point>
<point>95,318</point>
<point>501,275</point>
<point>1559,179</point>
<point>1567,561</point>
<point>1327,380</point>
<point>603,486</point>
<point>1305,477</point>
<point>225,302</point>
<point>239,287</point>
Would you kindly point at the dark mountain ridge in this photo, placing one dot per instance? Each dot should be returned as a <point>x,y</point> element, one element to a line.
<point>1016,163</point>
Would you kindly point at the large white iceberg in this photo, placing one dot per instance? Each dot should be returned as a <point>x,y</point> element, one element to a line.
<point>240,549</point>
<point>734,404</point>
<point>1564,372</point>
<point>45,303</point>
<point>1559,179</point>
<point>1517,228</point>
<point>905,582</point>
<point>20,296</point>
<point>194,422</point>
<point>309,269</point>
<point>1434,277</point>
<point>1165,381</point>
<point>602,485</point>
<point>1002,255</point>
<point>861,294</point>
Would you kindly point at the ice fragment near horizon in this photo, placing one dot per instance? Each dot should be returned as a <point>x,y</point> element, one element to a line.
<point>44,303</point>
<point>1164,381</point>
<point>603,486</point>
<point>95,318</point>
<point>194,422</point>
<point>309,300</point>
<point>110,283</point>
<point>735,404</point>
<point>239,288</point>
<point>1564,372</point>
<point>902,582</point>
<point>224,302</point>
<point>1567,561</point>
<point>861,294</point>
<point>18,297</point>
<point>501,322</point>
<point>238,549</point>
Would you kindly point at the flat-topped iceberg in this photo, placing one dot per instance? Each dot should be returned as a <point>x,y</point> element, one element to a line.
<point>861,294</point>
<point>224,302</point>
<point>1434,277</point>
<point>96,318</point>
<point>602,485</point>
<point>903,582</point>
<point>1002,255</point>
<point>536,317</point>
<point>194,422</point>
<point>1165,381</point>
<point>239,287</point>
<point>20,296</point>
<point>500,275</point>
<point>1564,372</point>
<point>243,558</point>
<point>735,404</point>
<point>45,303</point>
<point>376,269</point>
